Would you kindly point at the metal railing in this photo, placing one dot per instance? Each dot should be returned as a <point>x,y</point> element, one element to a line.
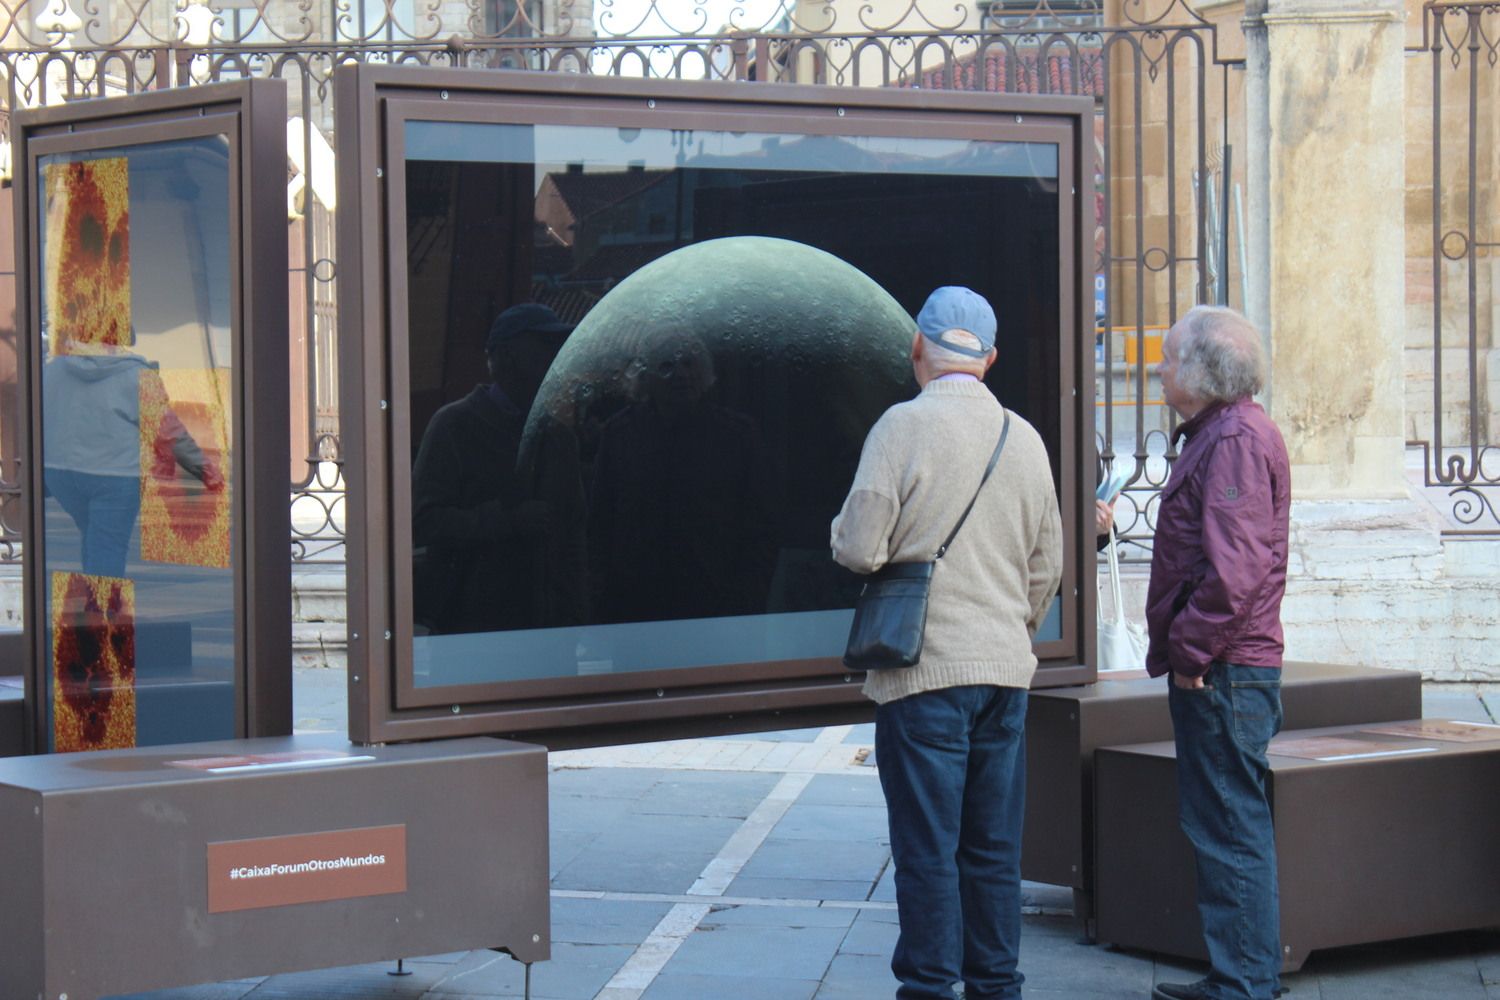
<point>1163,128</point>
<point>1459,435</point>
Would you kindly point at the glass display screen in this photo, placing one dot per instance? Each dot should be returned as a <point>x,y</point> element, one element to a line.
<point>137,444</point>
<point>642,364</point>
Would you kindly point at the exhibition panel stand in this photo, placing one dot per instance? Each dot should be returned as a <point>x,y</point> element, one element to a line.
<point>664,316</point>
<point>151,255</point>
<point>168,831</point>
<point>1065,726</point>
<point>1383,831</point>
<point>251,857</point>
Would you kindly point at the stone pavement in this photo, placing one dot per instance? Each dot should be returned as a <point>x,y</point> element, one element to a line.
<point>757,868</point>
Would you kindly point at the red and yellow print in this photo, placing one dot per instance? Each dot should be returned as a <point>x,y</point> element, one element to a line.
<point>184,520</point>
<point>93,662</point>
<point>88,253</point>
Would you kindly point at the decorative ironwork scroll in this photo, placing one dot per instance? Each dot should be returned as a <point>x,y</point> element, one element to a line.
<point>1153,66</point>
<point>1458,430</point>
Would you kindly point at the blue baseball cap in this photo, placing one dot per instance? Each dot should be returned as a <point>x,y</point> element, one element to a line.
<point>954,307</point>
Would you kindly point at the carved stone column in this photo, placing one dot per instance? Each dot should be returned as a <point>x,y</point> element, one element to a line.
<point>1326,181</point>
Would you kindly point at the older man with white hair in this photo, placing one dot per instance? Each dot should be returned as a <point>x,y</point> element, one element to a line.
<point>1218,573</point>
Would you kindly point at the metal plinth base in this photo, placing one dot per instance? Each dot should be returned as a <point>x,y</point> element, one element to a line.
<point>1064,726</point>
<point>1368,849</point>
<point>114,879</point>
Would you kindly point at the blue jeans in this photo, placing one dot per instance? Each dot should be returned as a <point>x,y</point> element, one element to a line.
<point>1222,732</point>
<point>104,508</point>
<point>953,768</point>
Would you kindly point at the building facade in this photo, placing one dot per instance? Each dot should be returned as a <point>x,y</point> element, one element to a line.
<point>1326,165</point>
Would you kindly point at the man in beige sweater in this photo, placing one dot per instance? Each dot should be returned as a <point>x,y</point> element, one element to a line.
<point>950,731</point>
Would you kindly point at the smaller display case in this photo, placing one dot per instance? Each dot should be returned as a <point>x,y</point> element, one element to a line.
<point>152,255</point>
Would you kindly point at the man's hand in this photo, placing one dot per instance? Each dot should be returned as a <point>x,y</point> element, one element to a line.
<point>1104,516</point>
<point>1187,683</point>
<point>212,478</point>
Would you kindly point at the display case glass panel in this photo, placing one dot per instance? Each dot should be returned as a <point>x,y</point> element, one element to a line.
<point>157,550</point>
<point>643,478</point>
<point>628,340</point>
<point>137,443</point>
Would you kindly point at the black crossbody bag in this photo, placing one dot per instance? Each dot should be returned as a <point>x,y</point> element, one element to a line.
<point>890,615</point>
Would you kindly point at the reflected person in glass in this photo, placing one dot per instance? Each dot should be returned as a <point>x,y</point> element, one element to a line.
<point>479,534</point>
<point>680,522</point>
<point>92,448</point>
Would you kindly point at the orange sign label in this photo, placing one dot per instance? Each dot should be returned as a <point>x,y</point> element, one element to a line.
<point>306,868</point>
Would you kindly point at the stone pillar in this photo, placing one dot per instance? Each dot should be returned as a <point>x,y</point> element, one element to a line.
<point>1325,186</point>
<point>1371,578</point>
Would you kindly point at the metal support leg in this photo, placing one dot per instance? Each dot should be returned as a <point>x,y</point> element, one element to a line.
<point>1083,916</point>
<point>400,969</point>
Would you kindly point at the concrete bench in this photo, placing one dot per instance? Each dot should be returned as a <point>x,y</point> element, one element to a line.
<point>1378,837</point>
<point>142,869</point>
<point>1064,726</point>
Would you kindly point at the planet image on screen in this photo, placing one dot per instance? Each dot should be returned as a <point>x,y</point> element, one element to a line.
<point>715,402</point>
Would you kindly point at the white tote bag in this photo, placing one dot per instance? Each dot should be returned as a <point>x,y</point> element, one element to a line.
<point>1122,643</point>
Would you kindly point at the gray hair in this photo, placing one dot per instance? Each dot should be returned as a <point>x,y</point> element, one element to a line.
<point>1220,356</point>
<point>941,358</point>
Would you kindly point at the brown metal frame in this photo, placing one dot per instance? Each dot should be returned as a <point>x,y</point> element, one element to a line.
<point>252,115</point>
<point>372,102</point>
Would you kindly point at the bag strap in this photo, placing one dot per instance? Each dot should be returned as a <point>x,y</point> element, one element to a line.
<point>994,457</point>
<point>1114,575</point>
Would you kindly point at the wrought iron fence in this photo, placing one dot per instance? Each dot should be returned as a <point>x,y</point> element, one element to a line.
<point>1163,132</point>
<point>1458,430</point>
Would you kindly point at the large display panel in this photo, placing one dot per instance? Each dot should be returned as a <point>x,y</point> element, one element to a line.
<point>632,341</point>
<point>140,351</point>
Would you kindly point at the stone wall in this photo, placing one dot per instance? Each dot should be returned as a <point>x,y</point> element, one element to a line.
<point>1375,583</point>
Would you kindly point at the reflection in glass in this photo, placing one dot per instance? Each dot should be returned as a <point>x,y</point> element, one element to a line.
<point>480,532</point>
<point>136,444</point>
<point>650,484</point>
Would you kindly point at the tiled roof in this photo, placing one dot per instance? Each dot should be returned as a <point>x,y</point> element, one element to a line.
<point>1079,71</point>
<point>588,193</point>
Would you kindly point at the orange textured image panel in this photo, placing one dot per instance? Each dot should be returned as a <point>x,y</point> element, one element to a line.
<point>87,270</point>
<point>185,520</point>
<point>93,662</point>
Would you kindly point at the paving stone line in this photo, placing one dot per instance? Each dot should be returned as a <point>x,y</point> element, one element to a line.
<point>775,902</point>
<point>745,841</point>
<point>645,964</point>
<point>827,754</point>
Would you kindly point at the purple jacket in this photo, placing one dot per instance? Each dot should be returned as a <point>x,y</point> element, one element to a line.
<point>1218,569</point>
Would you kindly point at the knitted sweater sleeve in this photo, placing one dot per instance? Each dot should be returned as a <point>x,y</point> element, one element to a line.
<point>861,533</point>
<point>1044,565</point>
